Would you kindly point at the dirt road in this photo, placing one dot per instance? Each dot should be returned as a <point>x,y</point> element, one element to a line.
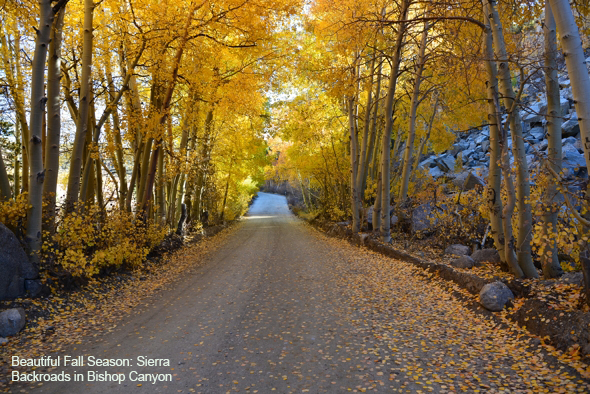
<point>281,308</point>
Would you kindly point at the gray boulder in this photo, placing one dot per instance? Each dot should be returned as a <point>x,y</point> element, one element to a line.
<point>486,256</point>
<point>572,158</point>
<point>541,146</point>
<point>472,181</point>
<point>463,262</point>
<point>569,140</point>
<point>458,249</point>
<point>428,163</point>
<point>481,138</point>
<point>12,321</point>
<point>393,221</point>
<point>33,287</point>
<point>494,296</point>
<point>435,172</point>
<point>446,163</point>
<point>14,266</point>
<point>570,128</point>
<point>537,133</point>
<point>423,218</point>
<point>485,145</point>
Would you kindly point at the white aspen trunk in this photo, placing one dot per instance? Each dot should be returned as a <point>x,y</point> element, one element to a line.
<point>386,152</point>
<point>161,191</point>
<point>549,259</point>
<point>361,179</point>
<point>16,161</point>
<point>16,89</point>
<point>569,37</point>
<point>405,177</point>
<point>120,160</point>
<point>525,218</point>
<point>354,194</point>
<point>5,190</point>
<point>494,191</point>
<point>503,161</point>
<point>426,137</point>
<point>53,120</point>
<point>373,148</point>
<point>377,207</point>
<point>74,181</point>
<point>38,101</point>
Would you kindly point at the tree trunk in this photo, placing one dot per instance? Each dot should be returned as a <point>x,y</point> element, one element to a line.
<point>354,193</point>
<point>134,176</point>
<point>120,160</point>
<point>5,190</point>
<point>16,161</point>
<point>389,111</point>
<point>183,215</point>
<point>74,181</point>
<point>373,148</point>
<point>525,218</point>
<point>16,88</point>
<point>494,192</point>
<point>549,259</point>
<point>576,67</point>
<point>361,177</point>
<point>161,191</point>
<point>427,136</point>
<point>377,206</point>
<point>99,192</point>
<point>227,190</point>
<point>406,170</point>
<point>501,218</point>
<point>38,101</point>
<point>54,120</point>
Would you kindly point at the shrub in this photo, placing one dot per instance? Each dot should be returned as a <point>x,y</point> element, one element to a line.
<point>86,242</point>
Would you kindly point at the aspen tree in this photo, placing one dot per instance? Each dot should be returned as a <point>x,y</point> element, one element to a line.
<point>549,259</point>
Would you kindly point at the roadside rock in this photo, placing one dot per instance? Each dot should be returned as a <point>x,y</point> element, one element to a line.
<point>486,256</point>
<point>12,321</point>
<point>14,266</point>
<point>34,287</point>
<point>3,341</point>
<point>463,262</point>
<point>458,249</point>
<point>422,218</point>
<point>494,296</point>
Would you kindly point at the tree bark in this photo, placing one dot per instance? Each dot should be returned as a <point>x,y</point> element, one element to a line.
<point>119,154</point>
<point>361,180</point>
<point>53,120</point>
<point>573,52</point>
<point>15,83</point>
<point>5,190</point>
<point>501,165</point>
<point>74,181</point>
<point>549,258</point>
<point>406,170</point>
<point>427,136</point>
<point>38,101</point>
<point>354,193</point>
<point>525,218</point>
<point>17,135</point>
<point>389,111</point>
<point>494,191</point>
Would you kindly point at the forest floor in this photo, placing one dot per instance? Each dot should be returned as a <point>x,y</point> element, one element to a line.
<point>275,305</point>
